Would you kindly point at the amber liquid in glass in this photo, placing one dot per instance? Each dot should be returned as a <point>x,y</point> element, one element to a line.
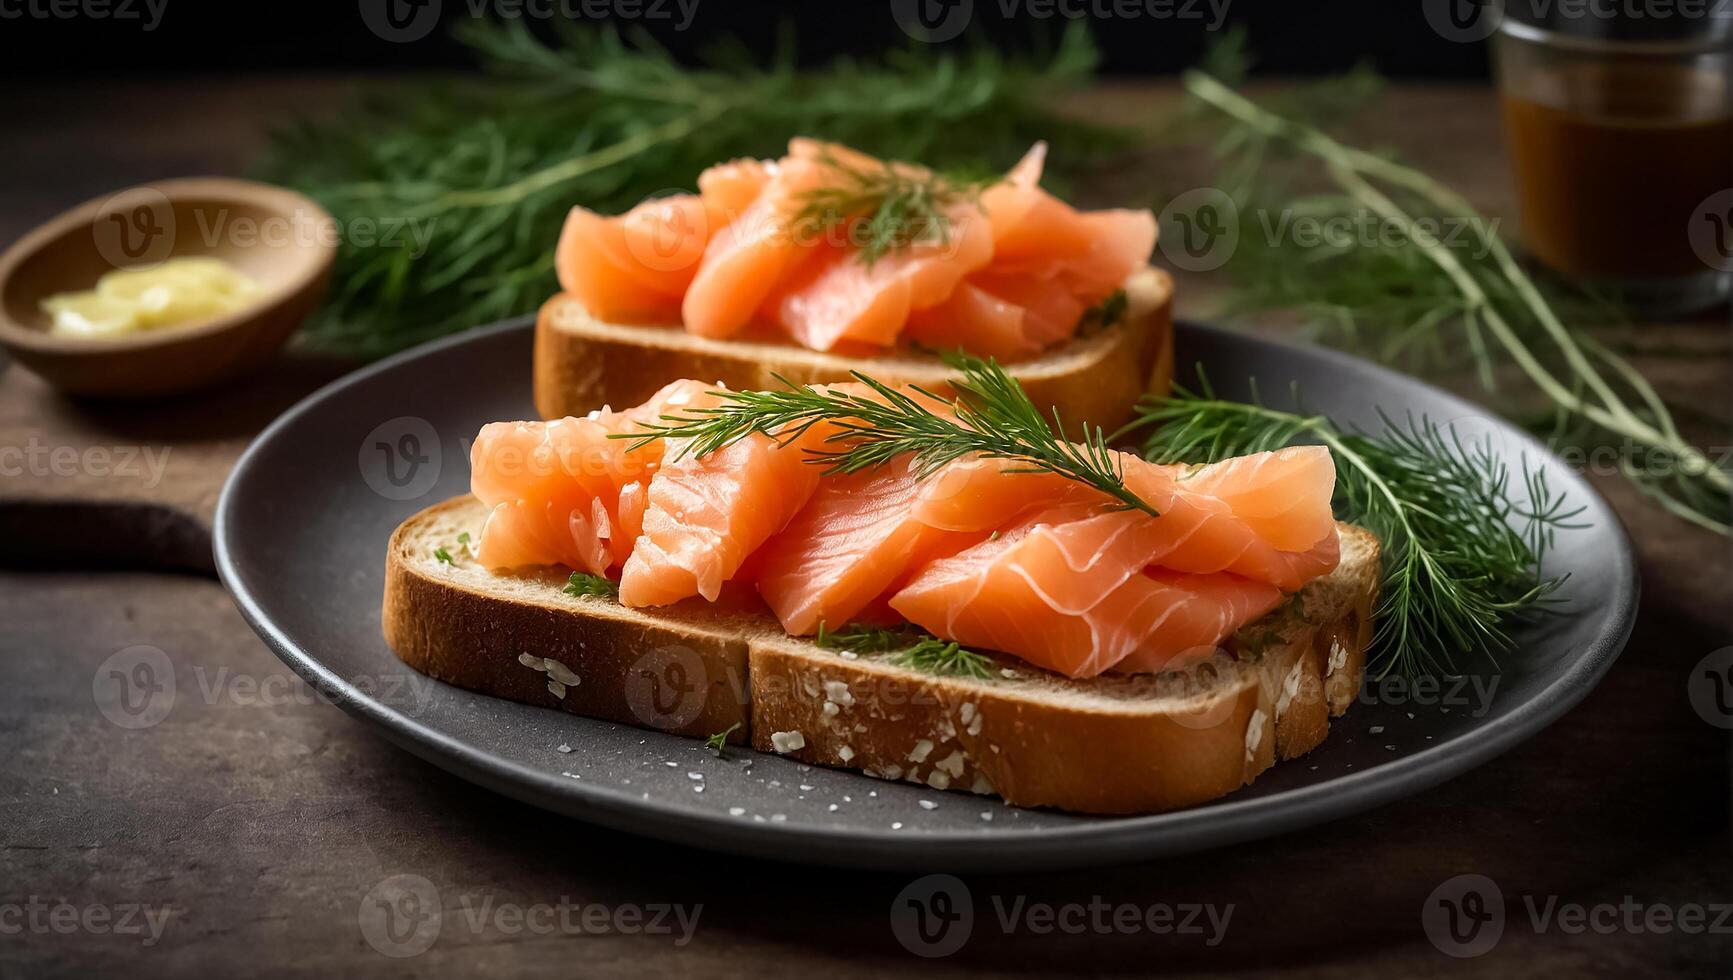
<point>1608,188</point>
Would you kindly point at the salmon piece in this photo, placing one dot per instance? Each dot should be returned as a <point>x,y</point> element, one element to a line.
<point>636,266</point>
<point>565,530</point>
<point>1006,317</point>
<point>1050,264</point>
<point>706,519</point>
<point>852,543</point>
<point>1029,223</point>
<point>1191,633</point>
<point>976,493</point>
<point>1199,529</point>
<point>1205,533</point>
<point>1036,234</point>
<point>703,516</point>
<point>730,188</point>
<point>1051,310</point>
<point>563,492</point>
<point>553,488</point>
<point>843,298</point>
<point>840,297</point>
<point>975,320</point>
<point>745,260</point>
<point>1067,590</point>
<point>1277,494</point>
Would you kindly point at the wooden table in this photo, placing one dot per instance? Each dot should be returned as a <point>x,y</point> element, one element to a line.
<point>254,821</point>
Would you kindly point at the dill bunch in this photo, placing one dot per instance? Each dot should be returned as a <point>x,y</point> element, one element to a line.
<point>452,196</point>
<point>1420,278</point>
<point>1463,542</point>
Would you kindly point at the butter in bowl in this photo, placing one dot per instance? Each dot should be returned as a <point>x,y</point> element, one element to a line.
<point>164,287</point>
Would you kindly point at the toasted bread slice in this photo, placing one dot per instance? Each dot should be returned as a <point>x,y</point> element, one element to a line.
<point>1112,744</point>
<point>582,363</point>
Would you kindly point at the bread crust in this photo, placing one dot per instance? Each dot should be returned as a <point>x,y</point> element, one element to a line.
<point>582,364</point>
<point>681,670</point>
<point>1109,745</point>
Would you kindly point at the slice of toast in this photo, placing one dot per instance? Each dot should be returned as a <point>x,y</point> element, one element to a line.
<point>582,363</point>
<point>1112,744</point>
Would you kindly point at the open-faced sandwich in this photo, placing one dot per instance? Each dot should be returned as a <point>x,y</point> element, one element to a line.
<point>828,261</point>
<point>920,587</point>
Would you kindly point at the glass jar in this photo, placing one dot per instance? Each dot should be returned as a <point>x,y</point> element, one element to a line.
<point>1620,133</point>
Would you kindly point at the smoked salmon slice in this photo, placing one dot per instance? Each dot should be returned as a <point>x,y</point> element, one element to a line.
<point>1286,537</point>
<point>1050,264</point>
<point>1205,532</point>
<point>638,265</point>
<point>744,261</point>
<point>1071,596</point>
<point>705,515</point>
<point>854,541</point>
<point>844,298</point>
<point>562,492</point>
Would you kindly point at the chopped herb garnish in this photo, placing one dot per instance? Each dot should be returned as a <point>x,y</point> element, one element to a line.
<point>936,656</point>
<point>441,554</point>
<point>1105,313</point>
<point>719,741</point>
<point>910,647</point>
<point>884,209</point>
<point>583,583</point>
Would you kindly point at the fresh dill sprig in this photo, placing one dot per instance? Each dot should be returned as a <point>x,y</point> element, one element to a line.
<point>1415,274</point>
<point>910,647</point>
<point>718,743</point>
<point>993,418</point>
<point>882,209</point>
<point>452,195</point>
<point>936,656</point>
<point>583,583</point>
<point>1463,546</point>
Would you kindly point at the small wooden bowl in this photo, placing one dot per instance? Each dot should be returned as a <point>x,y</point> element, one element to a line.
<point>282,239</point>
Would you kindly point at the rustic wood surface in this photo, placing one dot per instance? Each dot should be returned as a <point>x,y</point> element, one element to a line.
<point>254,820</point>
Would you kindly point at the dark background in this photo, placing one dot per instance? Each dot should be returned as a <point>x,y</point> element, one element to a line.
<point>41,40</point>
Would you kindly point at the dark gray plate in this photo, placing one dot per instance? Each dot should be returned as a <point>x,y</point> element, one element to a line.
<point>300,541</point>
